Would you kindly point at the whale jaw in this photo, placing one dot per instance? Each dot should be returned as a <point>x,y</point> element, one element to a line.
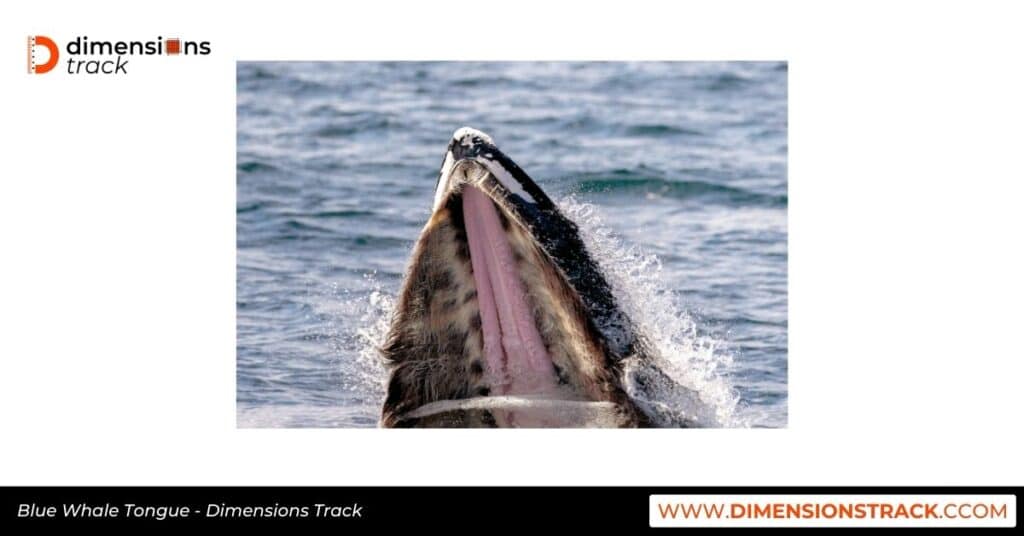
<point>489,328</point>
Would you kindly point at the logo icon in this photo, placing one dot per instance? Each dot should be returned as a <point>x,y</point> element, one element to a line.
<point>35,43</point>
<point>173,46</point>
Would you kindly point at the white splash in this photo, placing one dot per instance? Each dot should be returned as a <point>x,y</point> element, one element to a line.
<point>375,323</point>
<point>695,361</point>
<point>357,322</point>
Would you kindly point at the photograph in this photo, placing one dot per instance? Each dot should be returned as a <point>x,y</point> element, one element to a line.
<point>291,265</point>
<point>512,244</point>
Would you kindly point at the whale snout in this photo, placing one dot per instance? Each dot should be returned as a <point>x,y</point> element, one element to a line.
<point>469,143</point>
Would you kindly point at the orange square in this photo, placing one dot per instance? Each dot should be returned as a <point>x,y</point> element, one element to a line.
<point>174,46</point>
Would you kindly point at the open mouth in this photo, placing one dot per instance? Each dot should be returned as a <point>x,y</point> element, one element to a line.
<point>491,309</point>
<point>511,277</point>
<point>514,350</point>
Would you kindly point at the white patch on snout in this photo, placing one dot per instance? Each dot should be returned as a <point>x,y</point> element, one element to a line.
<point>442,182</point>
<point>465,136</point>
<point>506,179</point>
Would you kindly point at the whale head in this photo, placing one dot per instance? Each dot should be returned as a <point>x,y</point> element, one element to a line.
<point>504,318</point>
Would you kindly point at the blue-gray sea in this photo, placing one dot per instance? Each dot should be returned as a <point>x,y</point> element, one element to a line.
<point>677,173</point>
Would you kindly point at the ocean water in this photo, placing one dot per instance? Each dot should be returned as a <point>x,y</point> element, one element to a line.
<point>676,173</point>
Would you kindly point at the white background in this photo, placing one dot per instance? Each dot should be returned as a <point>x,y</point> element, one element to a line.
<point>117,233</point>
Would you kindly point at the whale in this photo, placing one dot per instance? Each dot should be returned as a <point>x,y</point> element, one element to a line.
<point>504,317</point>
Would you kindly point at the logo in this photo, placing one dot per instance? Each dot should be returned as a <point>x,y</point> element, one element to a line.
<point>99,57</point>
<point>36,42</point>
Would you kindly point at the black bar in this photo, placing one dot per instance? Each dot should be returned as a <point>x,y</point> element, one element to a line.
<point>455,510</point>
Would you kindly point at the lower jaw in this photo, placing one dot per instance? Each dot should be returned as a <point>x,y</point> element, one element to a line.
<point>517,362</point>
<point>522,412</point>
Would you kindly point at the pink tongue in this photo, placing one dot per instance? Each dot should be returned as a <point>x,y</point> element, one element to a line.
<point>517,361</point>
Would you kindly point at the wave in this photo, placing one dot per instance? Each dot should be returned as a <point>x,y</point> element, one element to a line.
<point>727,82</point>
<point>255,71</point>
<point>248,207</point>
<point>349,213</point>
<point>661,130</point>
<point>356,126</point>
<point>253,166</point>
<point>625,182</point>
<point>488,81</point>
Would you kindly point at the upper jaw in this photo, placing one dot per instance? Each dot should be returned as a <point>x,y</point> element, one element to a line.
<point>510,182</point>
